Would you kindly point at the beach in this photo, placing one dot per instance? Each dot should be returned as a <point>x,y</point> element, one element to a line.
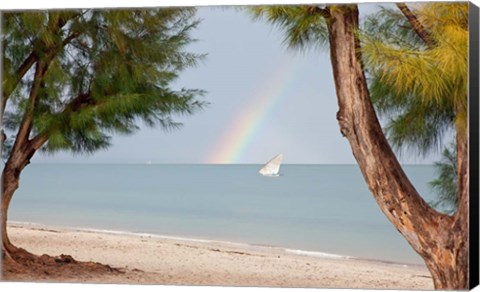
<point>151,259</point>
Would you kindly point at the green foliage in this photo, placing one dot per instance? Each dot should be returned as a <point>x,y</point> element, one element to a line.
<point>422,90</point>
<point>446,185</point>
<point>391,26</point>
<point>303,26</point>
<point>414,125</point>
<point>108,70</point>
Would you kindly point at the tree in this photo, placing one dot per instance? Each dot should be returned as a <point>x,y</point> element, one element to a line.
<point>72,78</point>
<point>432,73</point>
<point>413,125</point>
<point>440,239</point>
<point>408,78</point>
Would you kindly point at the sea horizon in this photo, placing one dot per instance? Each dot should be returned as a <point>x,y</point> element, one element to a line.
<point>326,209</point>
<point>206,163</point>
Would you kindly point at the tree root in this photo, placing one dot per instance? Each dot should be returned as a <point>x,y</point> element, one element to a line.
<point>19,264</point>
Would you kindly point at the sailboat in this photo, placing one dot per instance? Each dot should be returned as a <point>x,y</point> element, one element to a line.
<point>272,167</point>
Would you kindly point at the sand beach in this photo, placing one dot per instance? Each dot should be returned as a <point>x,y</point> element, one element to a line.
<point>150,259</point>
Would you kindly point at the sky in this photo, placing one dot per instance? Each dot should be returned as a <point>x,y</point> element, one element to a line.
<point>264,99</point>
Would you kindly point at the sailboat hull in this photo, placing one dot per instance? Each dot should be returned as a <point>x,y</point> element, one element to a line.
<point>272,175</point>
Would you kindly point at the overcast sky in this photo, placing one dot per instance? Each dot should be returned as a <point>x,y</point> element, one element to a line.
<point>264,99</point>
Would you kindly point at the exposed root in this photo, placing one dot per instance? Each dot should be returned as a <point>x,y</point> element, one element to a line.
<point>22,265</point>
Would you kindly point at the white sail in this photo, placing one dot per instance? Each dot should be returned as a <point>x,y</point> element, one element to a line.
<point>272,167</point>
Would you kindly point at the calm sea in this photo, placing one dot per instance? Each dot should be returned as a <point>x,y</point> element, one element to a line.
<point>321,208</point>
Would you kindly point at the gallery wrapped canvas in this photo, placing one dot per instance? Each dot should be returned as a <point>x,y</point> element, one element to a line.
<point>134,143</point>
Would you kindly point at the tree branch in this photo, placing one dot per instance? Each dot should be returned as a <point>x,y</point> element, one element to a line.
<point>38,141</point>
<point>82,100</point>
<point>21,71</point>
<point>3,137</point>
<point>32,58</point>
<point>27,120</point>
<point>417,26</point>
<point>325,12</point>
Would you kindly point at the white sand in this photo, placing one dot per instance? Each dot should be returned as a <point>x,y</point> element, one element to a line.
<point>187,262</point>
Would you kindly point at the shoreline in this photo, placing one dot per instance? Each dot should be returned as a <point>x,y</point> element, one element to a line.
<point>226,243</point>
<point>158,259</point>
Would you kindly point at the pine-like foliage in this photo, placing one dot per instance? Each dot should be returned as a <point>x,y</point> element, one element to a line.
<point>446,185</point>
<point>85,74</point>
<point>304,26</point>
<point>422,89</point>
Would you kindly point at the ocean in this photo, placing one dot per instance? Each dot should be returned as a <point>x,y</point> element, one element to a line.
<point>311,209</point>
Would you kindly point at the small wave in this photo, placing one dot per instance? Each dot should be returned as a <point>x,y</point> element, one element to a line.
<point>119,232</point>
<point>316,254</point>
<point>142,234</point>
<point>207,241</point>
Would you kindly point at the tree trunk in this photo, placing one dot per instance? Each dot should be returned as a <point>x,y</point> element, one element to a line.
<point>19,158</point>
<point>438,238</point>
<point>9,184</point>
<point>461,217</point>
<point>42,56</point>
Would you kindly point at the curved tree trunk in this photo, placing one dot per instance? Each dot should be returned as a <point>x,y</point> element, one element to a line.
<point>20,157</point>
<point>441,240</point>
<point>461,217</point>
<point>9,184</point>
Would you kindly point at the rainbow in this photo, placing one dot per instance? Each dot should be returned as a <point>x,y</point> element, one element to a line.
<point>242,128</point>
